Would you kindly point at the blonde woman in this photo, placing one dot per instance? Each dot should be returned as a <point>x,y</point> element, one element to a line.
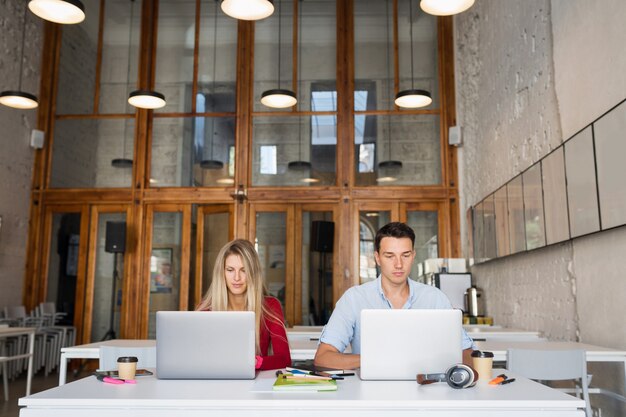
<point>238,285</point>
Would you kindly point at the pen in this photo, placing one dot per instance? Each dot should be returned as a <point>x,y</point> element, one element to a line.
<point>497,380</point>
<point>507,381</point>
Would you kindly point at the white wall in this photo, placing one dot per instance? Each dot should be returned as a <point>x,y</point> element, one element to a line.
<point>16,156</point>
<point>530,74</point>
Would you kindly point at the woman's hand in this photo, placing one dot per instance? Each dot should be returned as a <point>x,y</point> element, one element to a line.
<point>258,361</point>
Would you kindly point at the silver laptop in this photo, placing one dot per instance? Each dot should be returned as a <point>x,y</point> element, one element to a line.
<point>205,345</point>
<point>399,344</point>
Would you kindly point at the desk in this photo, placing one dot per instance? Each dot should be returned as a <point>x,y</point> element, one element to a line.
<point>20,331</point>
<point>92,351</point>
<point>152,397</point>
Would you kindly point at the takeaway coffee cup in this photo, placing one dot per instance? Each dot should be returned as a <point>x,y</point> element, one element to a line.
<point>127,366</point>
<point>482,363</point>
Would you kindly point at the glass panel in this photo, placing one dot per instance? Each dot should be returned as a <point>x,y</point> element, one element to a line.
<point>271,237</point>
<point>83,152</point>
<point>273,52</point>
<point>164,265</point>
<point>425,224</point>
<point>517,231</point>
<point>479,232</point>
<point>77,65</point>
<point>489,226</point>
<point>610,150</point>
<point>175,54</point>
<point>280,144</point>
<point>555,197</point>
<point>107,289</point>
<point>581,184</point>
<point>217,59</point>
<point>412,140</point>
<point>317,268</point>
<point>533,208</point>
<point>63,262</point>
<point>422,73</point>
<point>120,46</point>
<point>369,223</point>
<point>502,222</point>
<point>214,235</point>
<point>213,138</point>
<point>373,55</point>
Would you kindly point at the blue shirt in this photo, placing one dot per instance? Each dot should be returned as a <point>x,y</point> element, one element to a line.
<point>344,326</point>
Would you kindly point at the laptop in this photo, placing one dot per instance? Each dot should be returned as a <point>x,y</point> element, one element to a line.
<point>399,344</point>
<point>205,345</point>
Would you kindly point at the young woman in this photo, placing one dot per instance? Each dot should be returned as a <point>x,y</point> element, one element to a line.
<point>238,285</point>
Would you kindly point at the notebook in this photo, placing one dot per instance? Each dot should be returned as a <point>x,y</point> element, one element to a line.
<point>399,344</point>
<point>205,345</point>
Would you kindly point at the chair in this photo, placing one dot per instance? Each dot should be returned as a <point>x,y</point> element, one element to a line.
<point>552,365</point>
<point>109,355</point>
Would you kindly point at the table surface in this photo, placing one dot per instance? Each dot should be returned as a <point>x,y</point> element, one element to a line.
<point>352,394</point>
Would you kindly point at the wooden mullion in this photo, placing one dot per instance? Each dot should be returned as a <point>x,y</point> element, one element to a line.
<point>289,264</point>
<point>296,292</point>
<point>144,278</point>
<point>96,93</point>
<point>185,258</point>
<point>199,256</point>
<point>82,273</point>
<point>130,326</point>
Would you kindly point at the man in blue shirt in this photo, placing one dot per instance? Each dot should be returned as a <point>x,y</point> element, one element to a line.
<point>394,254</point>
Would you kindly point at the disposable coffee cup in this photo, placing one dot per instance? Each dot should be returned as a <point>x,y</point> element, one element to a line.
<point>127,366</point>
<point>482,363</point>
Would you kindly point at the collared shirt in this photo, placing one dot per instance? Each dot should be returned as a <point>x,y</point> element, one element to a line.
<point>344,326</point>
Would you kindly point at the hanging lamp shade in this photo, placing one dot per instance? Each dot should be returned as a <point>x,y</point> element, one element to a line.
<point>445,7</point>
<point>248,9</point>
<point>65,12</point>
<point>211,164</point>
<point>279,98</point>
<point>122,163</point>
<point>299,165</point>
<point>412,99</point>
<point>18,100</point>
<point>390,164</point>
<point>146,99</point>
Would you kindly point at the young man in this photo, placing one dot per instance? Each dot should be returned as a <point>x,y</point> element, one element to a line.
<point>394,255</point>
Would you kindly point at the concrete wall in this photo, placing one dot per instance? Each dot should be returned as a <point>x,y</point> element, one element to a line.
<point>16,156</point>
<point>530,74</point>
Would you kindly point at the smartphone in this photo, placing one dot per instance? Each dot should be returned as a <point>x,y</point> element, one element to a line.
<point>139,372</point>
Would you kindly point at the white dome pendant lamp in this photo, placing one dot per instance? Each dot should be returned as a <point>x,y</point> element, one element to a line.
<point>65,12</point>
<point>445,7</point>
<point>248,9</point>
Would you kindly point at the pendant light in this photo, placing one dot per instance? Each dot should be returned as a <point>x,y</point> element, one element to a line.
<point>19,99</point>
<point>389,163</point>
<point>248,9</point>
<point>445,7</point>
<point>213,163</point>
<point>65,12</point>
<point>124,162</point>
<point>279,98</point>
<point>412,98</point>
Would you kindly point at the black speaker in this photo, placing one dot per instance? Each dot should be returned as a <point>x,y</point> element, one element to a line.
<point>115,239</point>
<point>322,236</point>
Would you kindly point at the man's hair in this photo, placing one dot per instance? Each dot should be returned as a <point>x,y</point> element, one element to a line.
<point>394,229</point>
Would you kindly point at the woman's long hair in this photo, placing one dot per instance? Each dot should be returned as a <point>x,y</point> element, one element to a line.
<point>216,297</point>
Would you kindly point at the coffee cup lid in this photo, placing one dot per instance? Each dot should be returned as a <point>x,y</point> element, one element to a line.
<point>127,359</point>
<point>482,354</point>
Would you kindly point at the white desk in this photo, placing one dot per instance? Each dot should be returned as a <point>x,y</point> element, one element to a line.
<point>92,351</point>
<point>151,397</point>
<point>20,331</point>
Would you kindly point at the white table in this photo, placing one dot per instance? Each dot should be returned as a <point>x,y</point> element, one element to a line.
<point>152,397</point>
<point>92,351</point>
<point>20,331</point>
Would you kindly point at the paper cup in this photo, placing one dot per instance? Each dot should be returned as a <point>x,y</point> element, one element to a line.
<point>127,366</point>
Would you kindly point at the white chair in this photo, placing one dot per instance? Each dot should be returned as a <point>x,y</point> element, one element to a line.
<point>109,355</point>
<point>552,365</point>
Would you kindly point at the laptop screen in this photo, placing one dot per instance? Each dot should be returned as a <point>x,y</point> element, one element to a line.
<point>399,344</point>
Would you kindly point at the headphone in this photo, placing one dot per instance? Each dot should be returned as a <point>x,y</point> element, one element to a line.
<point>457,376</point>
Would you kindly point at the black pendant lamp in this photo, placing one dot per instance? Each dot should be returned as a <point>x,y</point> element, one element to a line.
<point>19,99</point>
<point>212,163</point>
<point>279,98</point>
<point>248,9</point>
<point>65,12</point>
<point>445,7</point>
<point>412,98</point>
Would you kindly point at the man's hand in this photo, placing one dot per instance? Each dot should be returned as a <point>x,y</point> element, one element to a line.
<point>329,357</point>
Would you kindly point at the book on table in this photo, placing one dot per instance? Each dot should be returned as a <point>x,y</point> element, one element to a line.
<point>285,383</point>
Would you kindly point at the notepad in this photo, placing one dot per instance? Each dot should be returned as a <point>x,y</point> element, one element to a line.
<point>310,384</point>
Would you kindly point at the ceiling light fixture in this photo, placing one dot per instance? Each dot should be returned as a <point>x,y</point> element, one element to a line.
<point>413,98</point>
<point>213,163</point>
<point>19,99</point>
<point>146,99</point>
<point>445,7</point>
<point>279,98</point>
<point>247,9</point>
<point>65,12</point>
